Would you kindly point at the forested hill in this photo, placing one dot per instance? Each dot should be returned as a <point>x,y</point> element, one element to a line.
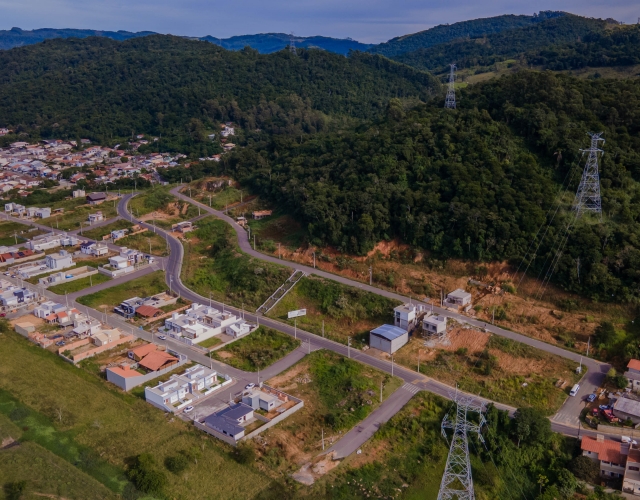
<point>488,49</point>
<point>447,32</point>
<point>99,88</point>
<point>16,37</point>
<point>266,43</point>
<point>473,183</point>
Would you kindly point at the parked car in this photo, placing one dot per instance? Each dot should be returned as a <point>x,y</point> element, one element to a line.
<point>604,407</point>
<point>61,343</point>
<point>608,414</point>
<point>2,315</point>
<point>591,398</point>
<point>7,273</point>
<point>188,409</point>
<point>249,386</point>
<point>595,412</point>
<point>162,337</point>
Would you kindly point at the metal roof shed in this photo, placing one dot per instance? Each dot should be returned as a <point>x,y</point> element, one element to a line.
<point>388,338</point>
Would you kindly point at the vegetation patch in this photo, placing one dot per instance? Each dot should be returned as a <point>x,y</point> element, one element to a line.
<point>257,350</point>
<point>98,232</point>
<point>346,311</point>
<point>79,284</point>
<point>213,264</point>
<point>145,286</point>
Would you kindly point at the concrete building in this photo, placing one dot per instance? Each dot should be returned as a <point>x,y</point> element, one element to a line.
<point>96,198</point>
<point>434,324</point>
<point>458,298</point>
<point>625,408</point>
<point>404,316</point>
<point>179,390</point>
<point>633,374</point>
<point>229,420</point>
<point>44,242</point>
<point>95,217</point>
<point>61,260</point>
<point>79,193</point>
<point>388,338</point>
<point>200,322</point>
<point>631,481</point>
<point>257,399</point>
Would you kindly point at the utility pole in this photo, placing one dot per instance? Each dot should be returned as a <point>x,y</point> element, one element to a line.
<point>392,365</point>
<point>349,347</point>
<point>588,343</point>
<point>254,242</point>
<point>323,439</point>
<point>418,360</point>
<point>457,482</point>
<point>149,240</point>
<point>450,101</point>
<point>381,391</point>
<point>295,328</point>
<point>279,256</point>
<point>370,275</point>
<point>209,201</point>
<point>314,260</point>
<point>588,195</point>
<point>322,328</point>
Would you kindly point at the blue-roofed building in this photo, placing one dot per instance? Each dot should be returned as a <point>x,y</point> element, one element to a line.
<point>388,338</point>
<point>228,421</point>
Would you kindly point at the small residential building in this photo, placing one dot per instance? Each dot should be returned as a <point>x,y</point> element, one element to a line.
<point>633,374</point>
<point>84,326</point>
<point>459,298</point>
<point>631,481</point>
<point>182,227</point>
<point>388,338</point>
<point>180,389</point>
<point>239,329</point>
<point>104,337</point>
<point>157,360</point>
<point>229,420</point>
<point>118,262</point>
<point>625,408</point>
<point>137,353</point>
<point>96,198</point>
<point>258,399</point>
<point>95,217</point>
<point>147,312</point>
<point>44,242</point>
<point>43,213</point>
<point>128,307</point>
<point>434,324</point>
<point>61,260</point>
<point>610,455</point>
<point>261,214</point>
<point>404,316</point>
<point>79,193</point>
<point>47,308</point>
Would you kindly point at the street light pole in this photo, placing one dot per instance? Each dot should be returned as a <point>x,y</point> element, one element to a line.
<point>348,347</point>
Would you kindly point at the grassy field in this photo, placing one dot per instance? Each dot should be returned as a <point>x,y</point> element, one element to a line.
<point>346,311</point>
<point>81,419</point>
<point>213,264</point>
<point>43,472</point>
<point>141,242</point>
<point>98,232</point>
<point>499,369</point>
<point>259,349</point>
<point>337,393</point>
<point>140,287</point>
<point>211,342</point>
<point>279,227</point>
<point>75,212</point>
<point>220,198</point>
<point>10,232</point>
<point>80,284</point>
<point>166,206</point>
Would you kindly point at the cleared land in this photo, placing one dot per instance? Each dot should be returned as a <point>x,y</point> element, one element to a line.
<point>12,233</point>
<point>76,211</point>
<point>140,287</point>
<point>213,264</point>
<point>494,367</point>
<point>157,204</point>
<point>259,349</point>
<point>346,311</point>
<point>217,192</point>
<point>80,284</point>
<point>83,420</point>
<point>337,393</point>
<point>98,232</point>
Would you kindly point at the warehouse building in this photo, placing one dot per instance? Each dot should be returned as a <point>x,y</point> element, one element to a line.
<point>388,338</point>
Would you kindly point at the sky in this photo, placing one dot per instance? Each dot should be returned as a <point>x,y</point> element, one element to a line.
<point>368,21</point>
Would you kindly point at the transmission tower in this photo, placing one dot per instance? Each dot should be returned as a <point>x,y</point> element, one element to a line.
<point>588,195</point>
<point>292,44</point>
<point>450,101</point>
<point>456,481</point>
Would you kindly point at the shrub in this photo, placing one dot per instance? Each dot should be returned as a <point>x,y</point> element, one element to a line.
<point>14,490</point>
<point>605,333</point>
<point>145,474</point>
<point>584,468</point>
<point>244,454</point>
<point>176,464</point>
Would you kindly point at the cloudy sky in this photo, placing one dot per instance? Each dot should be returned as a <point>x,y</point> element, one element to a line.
<point>369,21</point>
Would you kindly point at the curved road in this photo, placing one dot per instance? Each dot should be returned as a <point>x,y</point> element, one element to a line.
<point>565,421</point>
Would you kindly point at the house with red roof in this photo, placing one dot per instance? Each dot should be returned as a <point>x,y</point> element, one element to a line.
<point>610,455</point>
<point>633,374</point>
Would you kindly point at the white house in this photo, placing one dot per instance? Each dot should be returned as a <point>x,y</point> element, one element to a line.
<point>404,316</point>
<point>633,374</point>
<point>95,217</point>
<point>44,242</point>
<point>459,297</point>
<point>118,262</point>
<point>180,389</point>
<point>610,455</point>
<point>200,322</point>
<point>43,213</point>
<point>60,260</point>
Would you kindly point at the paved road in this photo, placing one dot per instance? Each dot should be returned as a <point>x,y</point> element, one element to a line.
<point>568,414</point>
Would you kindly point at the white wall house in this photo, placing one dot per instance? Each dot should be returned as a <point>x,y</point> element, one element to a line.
<point>434,324</point>
<point>404,316</point>
<point>60,260</point>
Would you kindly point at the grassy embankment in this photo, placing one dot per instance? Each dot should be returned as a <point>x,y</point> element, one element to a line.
<point>144,286</point>
<point>259,349</point>
<point>346,311</point>
<point>14,233</point>
<point>220,198</point>
<point>213,264</point>
<point>79,284</point>
<point>138,241</point>
<point>157,204</point>
<point>96,429</point>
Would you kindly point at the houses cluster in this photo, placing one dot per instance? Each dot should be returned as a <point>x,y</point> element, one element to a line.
<point>52,262</point>
<point>49,241</point>
<point>147,308</point>
<point>127,261</point>
<point>12,296</point>
<point>616,459</point>
<point>200,322</point>
<point>18,210</point>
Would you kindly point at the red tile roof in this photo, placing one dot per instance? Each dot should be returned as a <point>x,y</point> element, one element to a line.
<point>157,360</point>
<point>143,350</point>
<point>634,364</point>
<point>607,450</point>
<point>124,371</point>
<point>148,311</point>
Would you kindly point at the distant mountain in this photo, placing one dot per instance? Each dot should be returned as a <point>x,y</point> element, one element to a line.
<point>447,32</point>
<point>486,50</point>
<point>16,37</point>
<point>266,43</point>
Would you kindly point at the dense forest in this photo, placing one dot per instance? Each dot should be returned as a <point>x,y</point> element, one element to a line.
<point>488,49</point>
<point>474,183</point>
<point>466,29</point>
<point>179,89</point>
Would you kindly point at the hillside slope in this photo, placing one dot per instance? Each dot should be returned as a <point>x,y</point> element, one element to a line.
<point>447,32</point>
<point>159,84</point>
<point>16,37</point>
<point>266,43</point>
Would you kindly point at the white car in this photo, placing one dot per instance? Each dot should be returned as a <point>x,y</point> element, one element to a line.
<point>188,409</point>
<point>162,337</point>
<point>249,386</point>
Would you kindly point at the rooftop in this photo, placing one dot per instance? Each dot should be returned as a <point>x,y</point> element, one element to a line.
<point>634,364</point>
<point>628,406</point>
<point>389,332</point>
<point>607,450</point>
<point>148,311</point>
<point>155,360</point>
<point>459,294</point>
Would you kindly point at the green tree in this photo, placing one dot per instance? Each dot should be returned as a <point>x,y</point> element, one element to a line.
<point>15,490</point>
<point>176,464</point>
<point>605,333</point>
<point>145,474</point>
<point>584,468</point>
<point>530,426</point>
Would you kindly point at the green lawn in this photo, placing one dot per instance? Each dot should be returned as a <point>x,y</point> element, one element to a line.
<point>259,349</point>
<point>99,232</point>
<point>211,342</point>
<point>96,428</point>
<point>346,311</point>
<point>213,264</point>
<point>11,231</point>
<point>140,287</point>
<point>80,284</point>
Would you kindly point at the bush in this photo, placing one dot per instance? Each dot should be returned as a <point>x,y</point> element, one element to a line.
<point>605,333</point>
<point>145,474</point>
<point>244,454</point>
<point>584,468</point>
<point>14,490</point>
<point>176,464</point>
<point>621,382</point>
